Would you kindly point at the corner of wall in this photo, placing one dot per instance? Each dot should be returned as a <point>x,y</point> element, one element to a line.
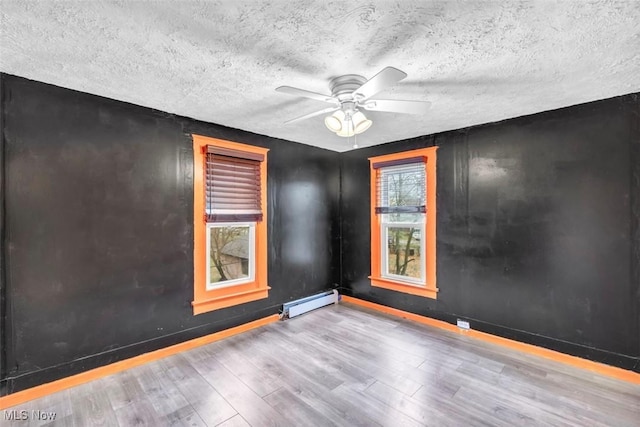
<point>340,251</point>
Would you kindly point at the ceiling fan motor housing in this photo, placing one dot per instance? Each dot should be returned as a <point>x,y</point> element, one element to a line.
<point>343,87</point>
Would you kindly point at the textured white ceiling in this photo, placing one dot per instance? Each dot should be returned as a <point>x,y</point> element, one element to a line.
<point>220,61</point>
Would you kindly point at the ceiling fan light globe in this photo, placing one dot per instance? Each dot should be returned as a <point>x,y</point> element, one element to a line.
<point>360,122</point>
<point>346,132</point>
<point>335,121</point>
<point>363,126</point>
<point>332,123</point>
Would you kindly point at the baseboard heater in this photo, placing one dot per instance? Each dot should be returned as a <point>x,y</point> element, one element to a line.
<point>303,305</point>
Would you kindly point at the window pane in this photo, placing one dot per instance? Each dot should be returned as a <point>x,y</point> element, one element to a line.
<point>403,252</point>
<point>229,253</point>
<point>403,186</point>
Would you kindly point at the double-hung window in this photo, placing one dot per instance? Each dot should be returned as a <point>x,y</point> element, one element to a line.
<point>229,224</point>
<point>403,222</point>
<point>401,207</point>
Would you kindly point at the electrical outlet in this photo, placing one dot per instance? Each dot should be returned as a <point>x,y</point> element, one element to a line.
<point>463,324</point>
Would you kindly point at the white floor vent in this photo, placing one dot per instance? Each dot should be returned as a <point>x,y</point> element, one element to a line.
<point>303,305</point>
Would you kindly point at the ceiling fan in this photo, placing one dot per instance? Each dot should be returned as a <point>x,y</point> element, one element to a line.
<point>350,94</point>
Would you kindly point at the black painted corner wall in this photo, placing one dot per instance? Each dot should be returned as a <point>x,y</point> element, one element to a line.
<point>98,252</point>
<point>538,229</point>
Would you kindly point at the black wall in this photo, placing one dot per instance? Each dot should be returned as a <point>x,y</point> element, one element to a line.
<point>3,310</point>
<point>538,229</point>
<point>99,230</point>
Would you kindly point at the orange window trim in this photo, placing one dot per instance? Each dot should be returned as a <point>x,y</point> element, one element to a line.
<point>204,300</point>
<point>429,290</point>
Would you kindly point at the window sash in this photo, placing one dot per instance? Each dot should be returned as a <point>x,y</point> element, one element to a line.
<point>232,188</point>
<point>384,251</point>
<point>392,196</point>
<point>251,252</point>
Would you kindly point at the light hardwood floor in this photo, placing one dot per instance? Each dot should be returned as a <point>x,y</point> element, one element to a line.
<point>347,366</point>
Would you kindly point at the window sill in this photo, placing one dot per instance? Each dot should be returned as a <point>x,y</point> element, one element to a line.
<point>228,300</point>
<point>406,288</point>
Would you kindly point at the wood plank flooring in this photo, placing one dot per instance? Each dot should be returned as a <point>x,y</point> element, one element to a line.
<point>345,366</point>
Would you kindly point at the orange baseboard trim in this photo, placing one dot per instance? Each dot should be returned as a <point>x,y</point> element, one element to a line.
<point>103,371</point>
<point>611,371</point>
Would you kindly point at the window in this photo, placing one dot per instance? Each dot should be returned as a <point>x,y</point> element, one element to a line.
<point>230,254</point>
<point>230,232</point>
<point>403,222</point>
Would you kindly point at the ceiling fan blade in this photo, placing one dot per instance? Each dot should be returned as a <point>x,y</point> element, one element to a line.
<point>396,106</point>
<point>315,113</point>
<point>385,78</point>
<point>306,94</point>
